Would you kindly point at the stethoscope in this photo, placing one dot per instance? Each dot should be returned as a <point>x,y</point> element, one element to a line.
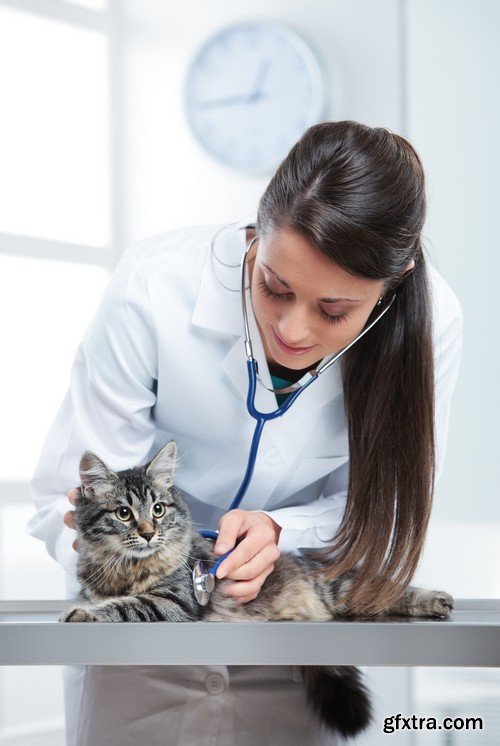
<point>203,579</point>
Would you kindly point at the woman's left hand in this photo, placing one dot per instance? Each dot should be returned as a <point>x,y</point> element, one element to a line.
<point>254,557</point>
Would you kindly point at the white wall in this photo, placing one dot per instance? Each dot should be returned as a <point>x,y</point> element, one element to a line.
<point>170,180</point>
<point>453,114</point>
<point>454,121</point>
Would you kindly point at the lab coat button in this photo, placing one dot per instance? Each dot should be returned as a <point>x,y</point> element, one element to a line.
<point>272,456</point>
<point>215,683</point>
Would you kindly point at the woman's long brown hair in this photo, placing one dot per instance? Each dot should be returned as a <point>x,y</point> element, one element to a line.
<point>357,193</point>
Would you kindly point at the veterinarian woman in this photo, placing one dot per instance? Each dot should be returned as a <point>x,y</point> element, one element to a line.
<point>349,469</point>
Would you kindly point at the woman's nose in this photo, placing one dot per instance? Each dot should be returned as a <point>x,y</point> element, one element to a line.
<point>293,326</point>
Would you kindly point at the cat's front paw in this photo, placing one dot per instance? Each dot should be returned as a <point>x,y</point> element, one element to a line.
<point>436,603</point>
<point>79,614</point>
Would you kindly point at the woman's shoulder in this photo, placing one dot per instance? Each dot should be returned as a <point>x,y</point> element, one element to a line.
<point>446,308</point>
<point>171,245</point>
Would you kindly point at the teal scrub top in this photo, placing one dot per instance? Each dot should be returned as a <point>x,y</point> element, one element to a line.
<point>280,383</point>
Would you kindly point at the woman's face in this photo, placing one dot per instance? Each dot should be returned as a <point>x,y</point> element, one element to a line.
<point>306,307</point>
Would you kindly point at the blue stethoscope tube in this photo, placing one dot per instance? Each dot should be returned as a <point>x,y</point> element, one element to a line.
<point>262,417</point>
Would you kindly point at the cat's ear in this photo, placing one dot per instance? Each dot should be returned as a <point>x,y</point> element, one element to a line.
<point>97,480</point>
<point>161,468</point>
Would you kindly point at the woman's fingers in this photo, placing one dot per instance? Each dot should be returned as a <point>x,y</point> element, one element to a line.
<point>244,591</point>
<point>231,526</point>
<point>69,517</point>
<point>252,560</point>
<point>257,565</point>
<point>257,534</point>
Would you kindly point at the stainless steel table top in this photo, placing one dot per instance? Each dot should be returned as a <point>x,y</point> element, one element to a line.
<point>31,635</point>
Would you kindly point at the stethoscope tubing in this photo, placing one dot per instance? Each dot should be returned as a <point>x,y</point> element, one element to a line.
<point>261,419</point>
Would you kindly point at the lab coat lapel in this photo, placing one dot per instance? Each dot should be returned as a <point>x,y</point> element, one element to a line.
<point>218,309</point>
<point>318,395</point>
<point>217,306</point>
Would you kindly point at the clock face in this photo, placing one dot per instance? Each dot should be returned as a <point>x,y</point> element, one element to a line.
<point>251,91</point>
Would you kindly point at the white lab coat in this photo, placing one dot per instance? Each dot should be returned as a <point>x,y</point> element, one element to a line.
<point>164,359</point>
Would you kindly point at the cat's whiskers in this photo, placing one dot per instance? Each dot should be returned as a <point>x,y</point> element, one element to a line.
<point>112,568</point>
<point>105,572</point>
<point>199,559</point>
<point>131,543</point>
<point>185,564</point>
<point>117,560</point>
<point>172,555</point>
<point>101,568</point>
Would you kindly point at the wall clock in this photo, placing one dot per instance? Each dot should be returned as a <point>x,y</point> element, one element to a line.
<point>251,91</point>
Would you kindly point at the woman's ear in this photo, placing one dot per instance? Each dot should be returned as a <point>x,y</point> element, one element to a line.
<point>399,278</point>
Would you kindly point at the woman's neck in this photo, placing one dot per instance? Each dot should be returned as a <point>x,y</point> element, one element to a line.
<point>287,374</point>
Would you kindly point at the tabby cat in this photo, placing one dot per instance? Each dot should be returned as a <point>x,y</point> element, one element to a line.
<point>137,548</point>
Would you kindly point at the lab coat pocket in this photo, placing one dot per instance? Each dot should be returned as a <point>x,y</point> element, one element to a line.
<point>314,471</point>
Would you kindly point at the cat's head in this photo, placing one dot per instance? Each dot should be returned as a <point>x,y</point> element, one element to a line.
<point>132,513</point>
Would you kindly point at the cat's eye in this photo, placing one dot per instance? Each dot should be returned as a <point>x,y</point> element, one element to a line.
<point>123,513</point>
<point>158,510</point>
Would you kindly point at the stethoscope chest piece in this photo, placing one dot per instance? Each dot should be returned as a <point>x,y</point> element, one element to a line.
<point>203,583</point>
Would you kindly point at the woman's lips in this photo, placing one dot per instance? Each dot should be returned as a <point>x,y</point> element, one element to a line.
<point>286,348</point>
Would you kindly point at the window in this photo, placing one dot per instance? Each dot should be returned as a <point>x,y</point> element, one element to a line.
<point>57,241</point>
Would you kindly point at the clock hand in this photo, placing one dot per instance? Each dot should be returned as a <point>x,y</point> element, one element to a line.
<point>255,94</point>
<point>257,88</point>
<point>230,100</point>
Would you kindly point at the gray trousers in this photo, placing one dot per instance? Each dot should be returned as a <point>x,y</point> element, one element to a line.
<point>189,706</point>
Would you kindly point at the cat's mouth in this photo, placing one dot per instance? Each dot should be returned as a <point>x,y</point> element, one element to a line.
<point>134,547</point>
<point>141,551</point>
<point>145,547</point>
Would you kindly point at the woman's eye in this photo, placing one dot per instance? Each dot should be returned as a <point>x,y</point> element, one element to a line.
<point>158,510</point>
<point>270,293</point>
<point>330,318</point>
<point>123,514</point>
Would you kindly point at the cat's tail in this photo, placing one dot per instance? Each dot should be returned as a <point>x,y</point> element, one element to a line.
<point>339,697</point>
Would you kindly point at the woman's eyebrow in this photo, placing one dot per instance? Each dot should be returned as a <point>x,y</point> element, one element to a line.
<point>323,300</point>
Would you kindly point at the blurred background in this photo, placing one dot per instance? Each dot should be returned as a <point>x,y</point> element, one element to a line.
<point>105,138</point>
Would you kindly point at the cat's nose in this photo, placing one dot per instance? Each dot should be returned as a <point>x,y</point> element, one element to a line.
<point>148,536</point>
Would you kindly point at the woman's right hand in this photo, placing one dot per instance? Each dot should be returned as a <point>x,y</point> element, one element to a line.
<point>69,516</point>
